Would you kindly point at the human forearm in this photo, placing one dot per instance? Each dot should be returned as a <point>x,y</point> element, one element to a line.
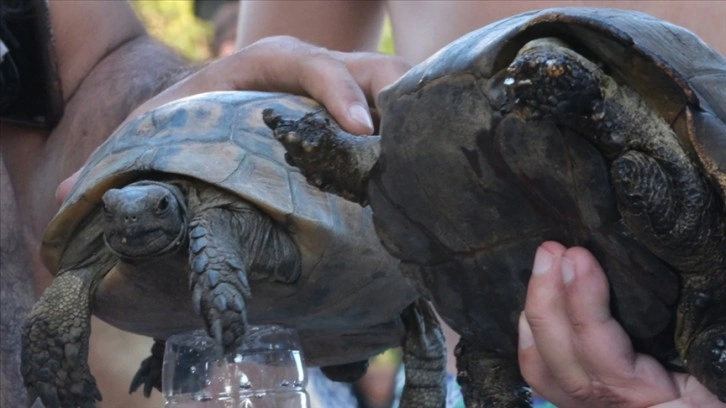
<point>337,25</point>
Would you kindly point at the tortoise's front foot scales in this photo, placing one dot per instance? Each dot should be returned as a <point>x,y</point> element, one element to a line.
<point>54,357</point>
<point>331,159</point>
<point>149,374</point>
<point>218,280</point>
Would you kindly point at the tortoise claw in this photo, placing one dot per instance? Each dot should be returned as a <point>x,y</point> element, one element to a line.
<point>149,374</point>
<point>83,393</point>
<point>48,395</point>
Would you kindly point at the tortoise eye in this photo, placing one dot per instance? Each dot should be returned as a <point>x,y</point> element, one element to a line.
<point>162,205</point>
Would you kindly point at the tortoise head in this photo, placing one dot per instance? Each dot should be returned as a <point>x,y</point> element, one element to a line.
<point>144,219</point>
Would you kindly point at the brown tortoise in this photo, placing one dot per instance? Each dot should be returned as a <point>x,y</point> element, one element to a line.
<point>189,217</point>
<point>595,127</point>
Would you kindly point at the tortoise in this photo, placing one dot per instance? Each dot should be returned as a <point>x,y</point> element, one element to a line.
<point>596,127</point>
<point>188,217</point>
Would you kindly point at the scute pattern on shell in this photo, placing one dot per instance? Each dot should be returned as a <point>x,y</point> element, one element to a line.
<point>220,139</point>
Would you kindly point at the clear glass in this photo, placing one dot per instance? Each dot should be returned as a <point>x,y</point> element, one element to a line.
<point>268,371</point>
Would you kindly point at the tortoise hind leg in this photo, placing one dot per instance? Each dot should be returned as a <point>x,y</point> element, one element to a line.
<point>149,374</point>
<point>54,356</point>
<point>424,358</point>
<point>490,380</point>
<point>228,246</point>
<point>701,331</point>
<point>331,159</point>
<point>349,373</point>
<point>677,215</point>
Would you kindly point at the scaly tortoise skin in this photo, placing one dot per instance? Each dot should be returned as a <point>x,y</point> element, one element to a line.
<point>189,217</point>
<point>595,127</point>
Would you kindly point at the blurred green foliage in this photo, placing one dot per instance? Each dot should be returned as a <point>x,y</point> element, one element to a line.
<point>386,45</point>
<point>173,22</point>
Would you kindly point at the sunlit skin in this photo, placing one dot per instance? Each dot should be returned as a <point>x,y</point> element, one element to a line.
<point>576,354</point>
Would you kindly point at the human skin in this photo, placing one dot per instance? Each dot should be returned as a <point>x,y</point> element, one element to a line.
<point>575,354</point>
<point>420,28</point>
<point>104,81</point>
<point>98,94</point>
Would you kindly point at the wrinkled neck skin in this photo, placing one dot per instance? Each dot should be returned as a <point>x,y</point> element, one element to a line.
<point>151,275</point>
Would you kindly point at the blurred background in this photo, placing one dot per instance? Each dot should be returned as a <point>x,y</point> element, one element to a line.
<point>199,29</point>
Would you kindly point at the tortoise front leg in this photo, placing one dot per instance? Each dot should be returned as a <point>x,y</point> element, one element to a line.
<point>227,247</point>
<point>490,380</point>
<point>54,356</point>
<point>218,277</point>
<point>424,358</point>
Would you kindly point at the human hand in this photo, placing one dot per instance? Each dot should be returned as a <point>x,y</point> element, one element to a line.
<point>345,83</point>
<point>575,354</point>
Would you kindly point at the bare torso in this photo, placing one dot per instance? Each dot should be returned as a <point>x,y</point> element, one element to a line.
<point>101,50</point>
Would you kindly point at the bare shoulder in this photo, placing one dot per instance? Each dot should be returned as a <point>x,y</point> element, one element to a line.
<point>87,31</point>
<point>107,66</point>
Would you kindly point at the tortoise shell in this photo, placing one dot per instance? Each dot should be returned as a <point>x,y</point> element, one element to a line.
<point>220,139</point>
<point>464,194</point>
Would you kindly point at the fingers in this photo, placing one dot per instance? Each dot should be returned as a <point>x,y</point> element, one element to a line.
<point>342,82</point>
<point>533,368</point>
<point>345,83</point>
<point>588,307</point>
<point>64,188</point>
<point>571,349</point>
<point>550,363</point>
<point>372,71</point>
<point>343,98</point>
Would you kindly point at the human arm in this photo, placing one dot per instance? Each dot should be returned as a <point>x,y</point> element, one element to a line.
<point>336,25</point>
<point>102,53</point>
<point>345,83</point>
<point>574,353</point>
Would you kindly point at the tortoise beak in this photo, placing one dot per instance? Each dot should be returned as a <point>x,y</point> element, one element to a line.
<point>142,220</point>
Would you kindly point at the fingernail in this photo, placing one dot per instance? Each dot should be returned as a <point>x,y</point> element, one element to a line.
<point>361,115</point>
<point>542,261</point>
<point>568,270</point>
<point>526,340</point>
